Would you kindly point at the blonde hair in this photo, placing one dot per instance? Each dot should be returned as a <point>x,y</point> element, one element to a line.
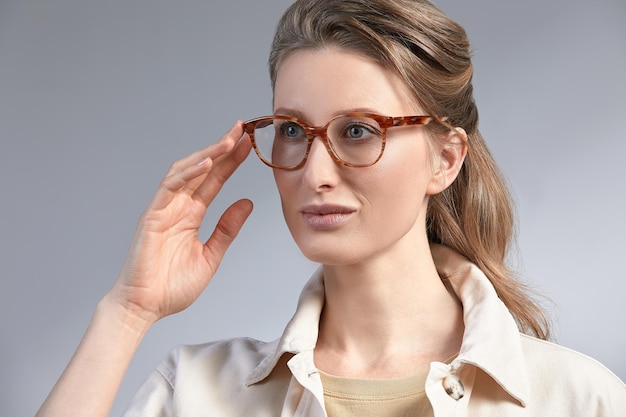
<point>431,53</point>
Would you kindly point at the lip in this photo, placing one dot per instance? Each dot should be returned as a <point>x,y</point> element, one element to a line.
<point>326,216</point>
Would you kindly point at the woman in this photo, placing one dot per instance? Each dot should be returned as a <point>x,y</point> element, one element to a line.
<point>386,182</point>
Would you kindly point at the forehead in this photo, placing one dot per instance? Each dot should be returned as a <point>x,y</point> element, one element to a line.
<point>322,83</point>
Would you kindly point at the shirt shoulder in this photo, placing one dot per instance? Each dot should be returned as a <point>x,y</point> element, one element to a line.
<point>555,371</point>
<point>552,357</point>
<point>238,357</point>
<point>212,377</point>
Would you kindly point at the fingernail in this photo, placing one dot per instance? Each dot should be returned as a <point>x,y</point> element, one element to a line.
<point>204,161</point>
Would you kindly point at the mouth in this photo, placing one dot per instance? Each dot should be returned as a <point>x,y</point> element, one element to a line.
<point>327,209</point>
<point>327,216</point>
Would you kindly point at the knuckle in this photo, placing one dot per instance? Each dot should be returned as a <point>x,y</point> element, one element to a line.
<point>175,166</point>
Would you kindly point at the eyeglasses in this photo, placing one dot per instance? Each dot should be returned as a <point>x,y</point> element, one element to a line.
<point>354,139</point>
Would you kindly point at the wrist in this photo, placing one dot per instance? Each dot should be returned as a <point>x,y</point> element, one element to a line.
<point>112,310</point>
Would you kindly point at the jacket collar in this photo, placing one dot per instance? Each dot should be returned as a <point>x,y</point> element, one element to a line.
<point>491,339</point>
<point>301,332</point>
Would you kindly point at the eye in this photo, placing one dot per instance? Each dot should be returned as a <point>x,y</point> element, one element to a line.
<point>291,130</point>
<point>360,130</point>
<point>356,132</point>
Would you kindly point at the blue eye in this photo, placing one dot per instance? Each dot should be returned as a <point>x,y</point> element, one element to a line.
<point>292,130</point>
<point>360,131</point>
<point>356,132</point>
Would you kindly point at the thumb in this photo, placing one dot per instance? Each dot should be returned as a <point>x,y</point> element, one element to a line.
<point>226,231</point>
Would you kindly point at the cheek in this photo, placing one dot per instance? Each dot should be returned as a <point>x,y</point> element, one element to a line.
<point>397,195</point>
<point>286,190</point>
<point>407,169</point>
<point>282,182</point>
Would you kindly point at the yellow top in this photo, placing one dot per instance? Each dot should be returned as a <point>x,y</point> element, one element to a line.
<point>396,397</point>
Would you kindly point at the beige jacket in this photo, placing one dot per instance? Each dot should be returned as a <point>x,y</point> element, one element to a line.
<point>499,372</point>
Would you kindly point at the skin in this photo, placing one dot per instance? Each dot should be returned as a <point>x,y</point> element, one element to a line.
<point>385,302</point>
<point>146,291</point>
<point>380,280</point>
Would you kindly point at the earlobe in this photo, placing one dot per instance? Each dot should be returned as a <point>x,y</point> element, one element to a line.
<point>449,161</point>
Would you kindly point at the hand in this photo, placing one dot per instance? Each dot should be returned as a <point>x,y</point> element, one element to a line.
<point>168,267</point>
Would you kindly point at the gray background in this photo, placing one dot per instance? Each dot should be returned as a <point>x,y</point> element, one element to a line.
<point>98,97</point>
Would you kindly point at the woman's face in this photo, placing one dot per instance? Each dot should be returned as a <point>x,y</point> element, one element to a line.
<point>340,215</point>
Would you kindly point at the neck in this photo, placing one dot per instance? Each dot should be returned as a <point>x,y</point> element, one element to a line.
<point>387,317</point>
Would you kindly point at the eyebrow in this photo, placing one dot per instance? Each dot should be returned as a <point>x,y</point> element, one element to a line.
<point>283,111</point>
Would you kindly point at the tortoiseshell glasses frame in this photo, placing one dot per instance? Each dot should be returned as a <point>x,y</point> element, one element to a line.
<point>373,125</point>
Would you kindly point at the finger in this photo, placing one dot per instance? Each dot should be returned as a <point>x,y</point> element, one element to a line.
<point>173,184</point>
<point>226,231</point>
<point>222,170</point>
<point>189,172</point>
<point>214,151</point>
<point>194,177</point>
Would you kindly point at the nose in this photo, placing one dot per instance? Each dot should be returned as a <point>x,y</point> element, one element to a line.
<point>320,170</point>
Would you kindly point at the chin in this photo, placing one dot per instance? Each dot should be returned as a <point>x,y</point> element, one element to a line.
<point>332,247</point>
<point>330,254</point>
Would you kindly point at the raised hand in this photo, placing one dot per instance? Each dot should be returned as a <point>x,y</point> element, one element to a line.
<point>168,266</point>
<point>166,270</point>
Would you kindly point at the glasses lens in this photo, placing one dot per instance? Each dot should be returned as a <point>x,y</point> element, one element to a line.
<point>280,142</point>
<point>356,140</point>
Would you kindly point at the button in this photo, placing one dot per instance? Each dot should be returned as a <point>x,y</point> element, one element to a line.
<point>454,387</point>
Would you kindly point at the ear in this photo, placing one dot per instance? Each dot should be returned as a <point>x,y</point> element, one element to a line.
<point>448,161</point>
